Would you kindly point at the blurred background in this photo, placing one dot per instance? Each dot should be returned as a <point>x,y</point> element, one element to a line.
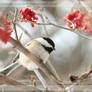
<point>72,54</point>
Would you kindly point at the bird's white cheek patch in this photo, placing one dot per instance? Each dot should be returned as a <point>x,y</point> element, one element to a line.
<point>43,42</point>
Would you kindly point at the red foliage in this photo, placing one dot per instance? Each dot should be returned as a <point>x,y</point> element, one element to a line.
<point>72,15</point>
<point>5,34</point>
<point>5,29</point>
<point>81,20</point>
<point>29,15</point>
<point>87,22</point>
<point>76,18</point>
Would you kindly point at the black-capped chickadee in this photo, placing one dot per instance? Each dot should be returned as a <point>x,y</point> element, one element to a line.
<point>41,48</point>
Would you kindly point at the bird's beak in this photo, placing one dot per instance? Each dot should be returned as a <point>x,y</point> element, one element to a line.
<point>54,49</point>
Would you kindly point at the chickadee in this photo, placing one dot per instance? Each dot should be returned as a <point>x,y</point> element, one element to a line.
<point>40,47</point>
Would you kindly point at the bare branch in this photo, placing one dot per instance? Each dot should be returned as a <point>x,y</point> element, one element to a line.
<point>6,80</point>
<point>41,15</point>
<point>77,79</point>
<point>61,27</point>
<point>85,6</point>
<point>25,31</point>
<point>82,76</point>
<point>9,81</point>
<point>14,23</point>
<point>20,36</point>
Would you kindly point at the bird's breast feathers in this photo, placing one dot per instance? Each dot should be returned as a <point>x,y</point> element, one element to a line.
<point>35,48</point>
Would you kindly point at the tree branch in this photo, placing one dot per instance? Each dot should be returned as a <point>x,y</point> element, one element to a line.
<point>25,31</point>
<point>14,23</point>
<point>77,79</point>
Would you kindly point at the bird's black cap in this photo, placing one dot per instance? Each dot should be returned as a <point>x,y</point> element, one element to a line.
<point>49,41</point>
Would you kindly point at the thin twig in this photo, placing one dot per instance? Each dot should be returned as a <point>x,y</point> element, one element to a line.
<point>25,31</point>
<point>73,5</point>
<point>77,79</point>
<point>53,69</point>
<point>20,37</point>
<point>86,6</point>
<point>9,81</point>
<point>14,23</point>
<point>61,27</point>
<point>41,15</point>
<point>48,24</point>
<point>8,68</point>
<point>83,76</point>
<point>84,36</point>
